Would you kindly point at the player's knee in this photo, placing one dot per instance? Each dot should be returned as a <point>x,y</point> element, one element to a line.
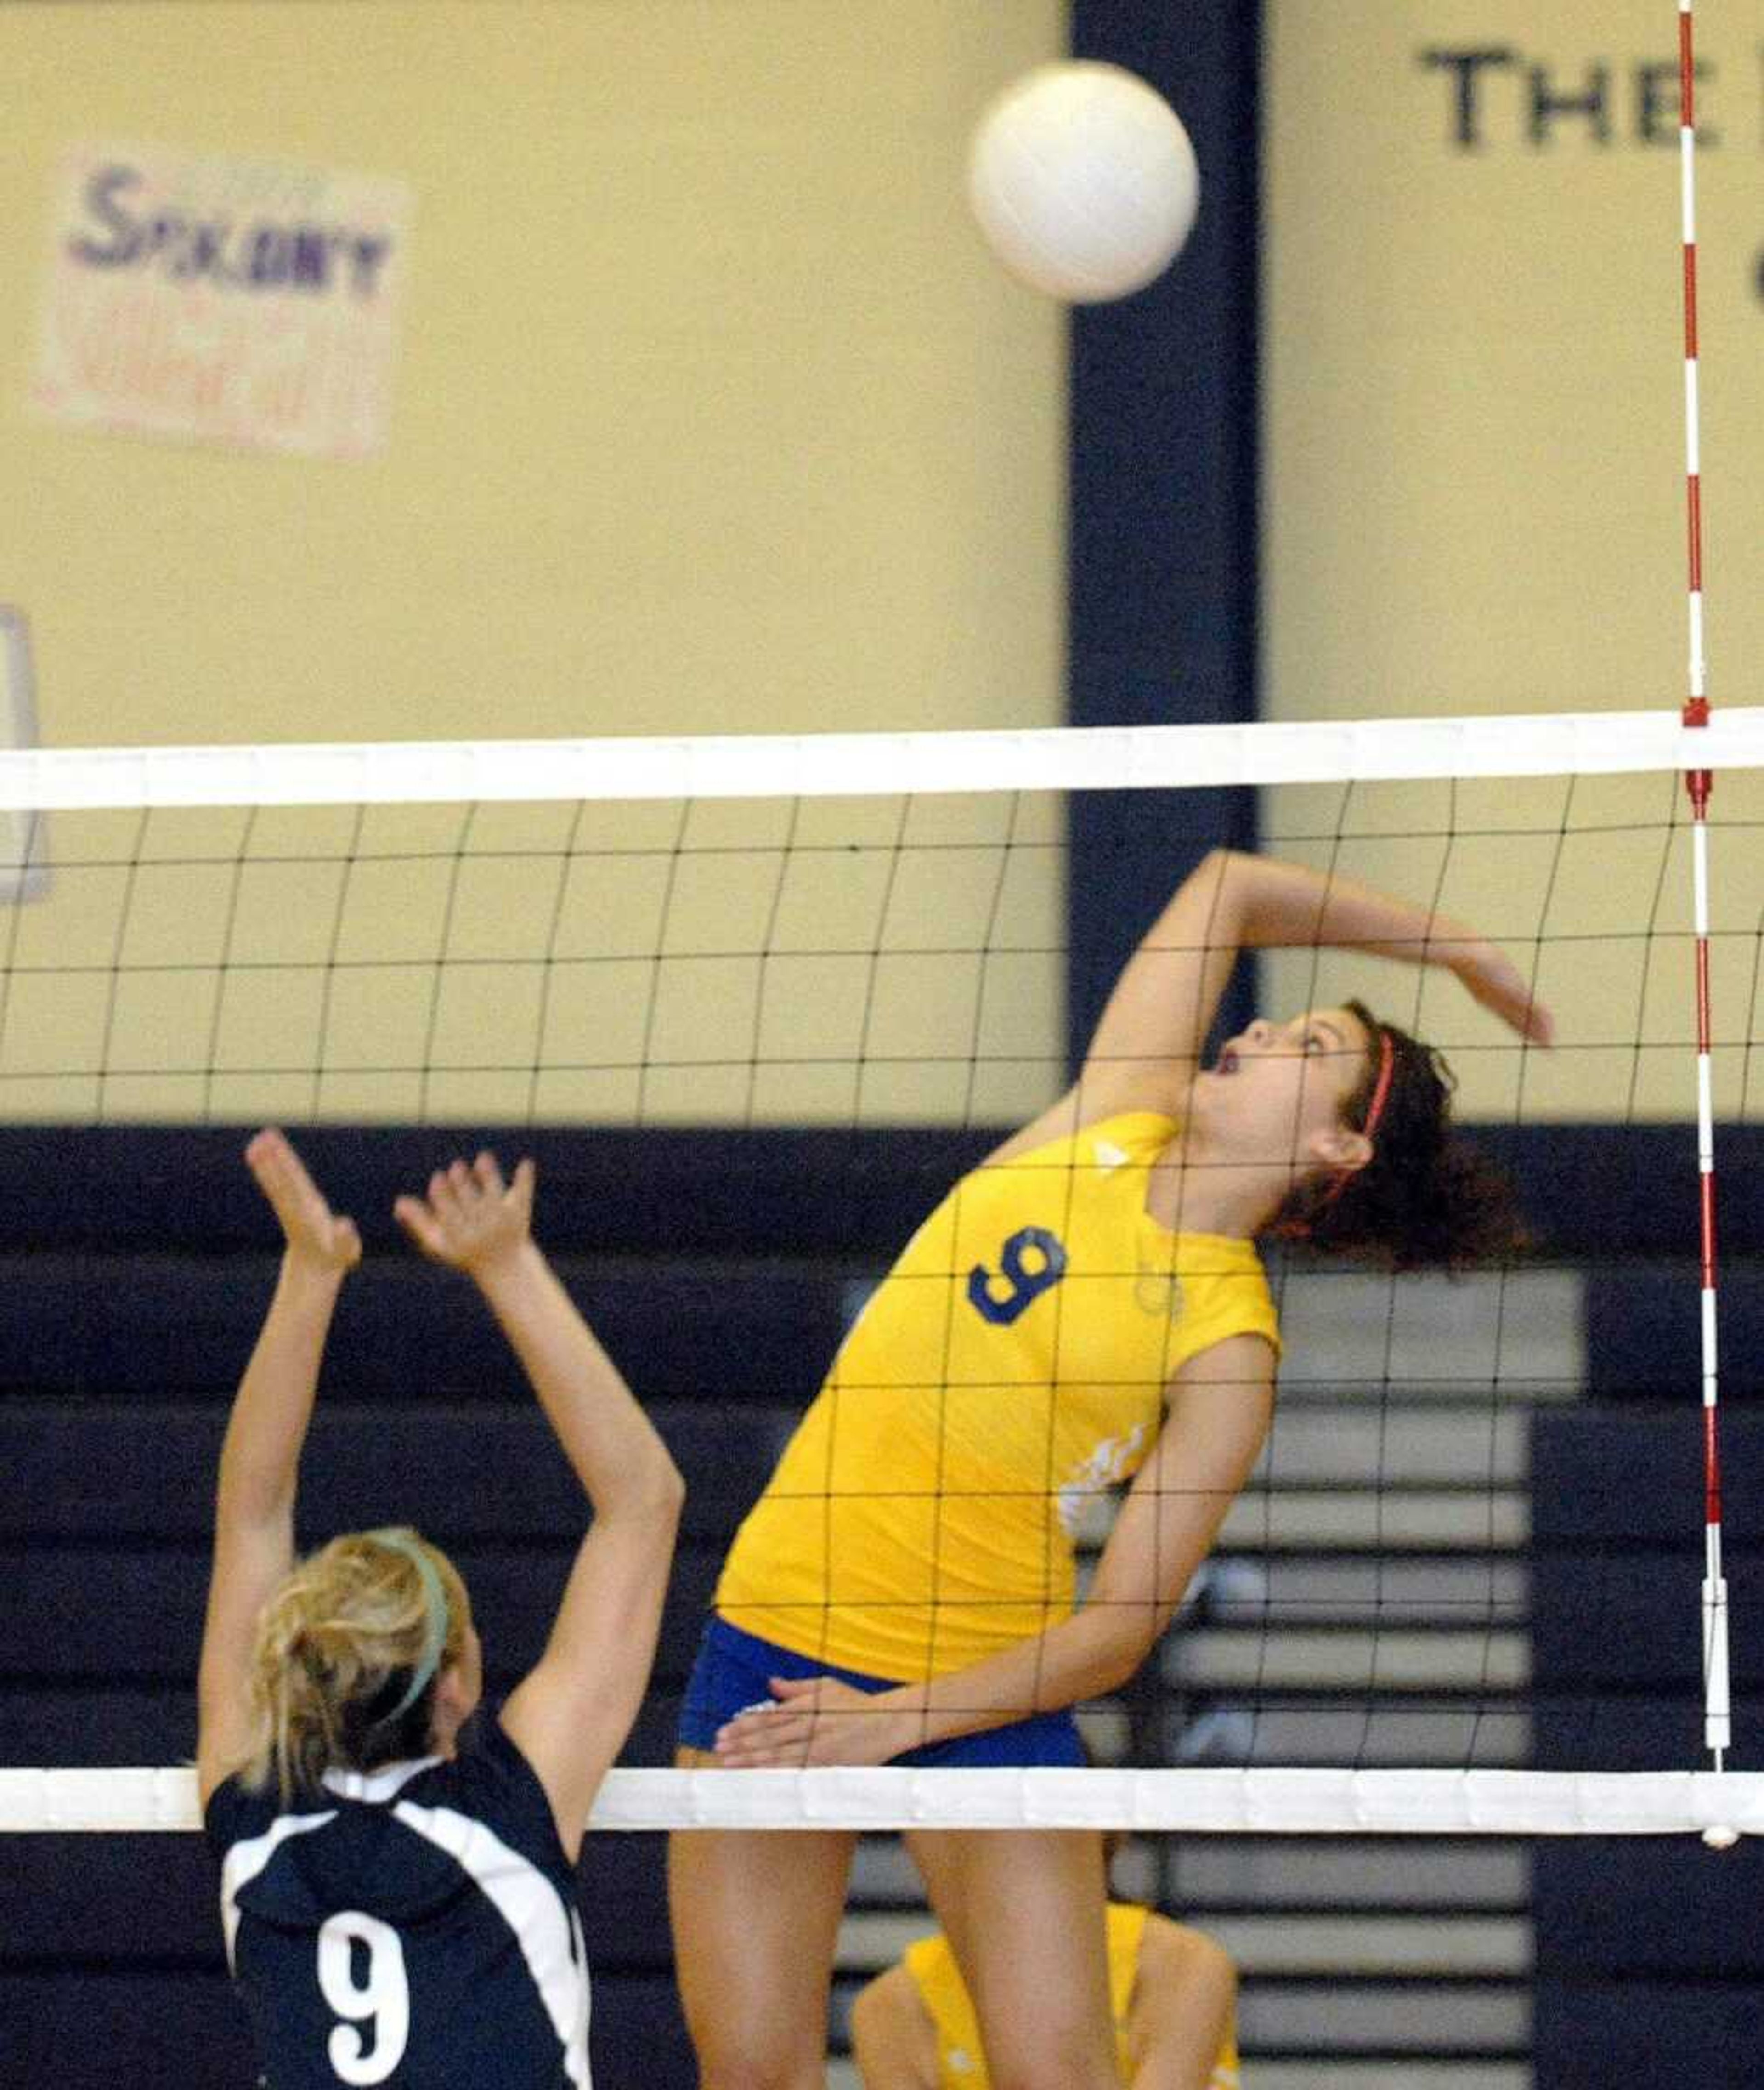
<point>1208,1968</point>
<point>1055,2067</point>
<point>870,2027</point>
<point>1054,2073</point>
<point>761,2074</point>
<point>759,2066</point>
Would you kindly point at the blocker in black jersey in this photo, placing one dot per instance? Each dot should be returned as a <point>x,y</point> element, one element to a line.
<point>412,1926</point>
<point>398,1900</point>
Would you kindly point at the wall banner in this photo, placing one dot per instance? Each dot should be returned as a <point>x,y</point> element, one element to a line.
<point>223,300</point>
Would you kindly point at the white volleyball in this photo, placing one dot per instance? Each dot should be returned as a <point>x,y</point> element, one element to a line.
<point>1084,180</point>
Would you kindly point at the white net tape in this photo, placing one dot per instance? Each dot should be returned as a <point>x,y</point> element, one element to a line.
<point>1142,758</point>
<point>1434,1803</point>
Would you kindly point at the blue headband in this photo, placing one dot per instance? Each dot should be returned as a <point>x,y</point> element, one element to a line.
<point>402,1540</point>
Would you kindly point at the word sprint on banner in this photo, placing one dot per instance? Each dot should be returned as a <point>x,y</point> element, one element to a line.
<point>222,300</point>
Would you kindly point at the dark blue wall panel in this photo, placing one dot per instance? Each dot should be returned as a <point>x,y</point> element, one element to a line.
<point>1648,1950</point>
<point>1163,523</point>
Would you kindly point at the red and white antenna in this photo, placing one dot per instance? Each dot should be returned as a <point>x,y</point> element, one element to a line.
<point>1718,1724</point>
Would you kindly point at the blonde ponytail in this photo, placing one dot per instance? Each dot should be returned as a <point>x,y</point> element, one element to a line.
<point>348,1651</point>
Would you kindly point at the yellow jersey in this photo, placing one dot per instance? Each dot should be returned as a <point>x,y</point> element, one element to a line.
<point>961,2061</point>
<point>1011,1367</point>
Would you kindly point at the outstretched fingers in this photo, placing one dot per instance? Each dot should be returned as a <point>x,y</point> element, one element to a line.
<point>418,1222</point>
<point>519,1195</point>
<point>1539,1025</point>
<point>278,1170</point>
<point>1491,977</point>
<point>809,1721</point>
<point>470,1215</point>
<point>307,1221</point>
<point>1505,989</point>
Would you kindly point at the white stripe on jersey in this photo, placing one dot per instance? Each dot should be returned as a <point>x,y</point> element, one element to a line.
<point>246,1859</point>
<point>377,1786</point>
<point>535,1911</point>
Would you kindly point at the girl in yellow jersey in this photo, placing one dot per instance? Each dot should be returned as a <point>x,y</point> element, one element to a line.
<point>1085,1308</point>
<point>1172,2002</point>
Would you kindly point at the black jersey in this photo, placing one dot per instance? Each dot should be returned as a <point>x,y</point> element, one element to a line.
<point>415,1926</point>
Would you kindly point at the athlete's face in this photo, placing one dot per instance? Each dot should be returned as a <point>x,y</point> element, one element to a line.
<point>1278,1092</point>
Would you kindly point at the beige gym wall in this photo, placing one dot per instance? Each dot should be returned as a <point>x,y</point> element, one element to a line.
<point>1474,498</point>
<point>710,413</point>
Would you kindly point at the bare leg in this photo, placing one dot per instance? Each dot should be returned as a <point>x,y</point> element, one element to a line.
<point>1184,2008</point>
<point>1024,1910</point>
<point>756,1914</point>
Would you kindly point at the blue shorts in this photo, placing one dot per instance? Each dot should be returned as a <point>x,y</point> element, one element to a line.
<point>733,1669</point>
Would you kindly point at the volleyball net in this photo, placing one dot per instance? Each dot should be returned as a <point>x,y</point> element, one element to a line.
<point>866,934</point>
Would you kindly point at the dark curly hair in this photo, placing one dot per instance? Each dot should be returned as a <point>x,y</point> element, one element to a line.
<point>1426,1199</point>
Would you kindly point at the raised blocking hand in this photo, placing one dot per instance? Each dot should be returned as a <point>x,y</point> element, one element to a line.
<point>471,1218</point>
<point>312,1230</point>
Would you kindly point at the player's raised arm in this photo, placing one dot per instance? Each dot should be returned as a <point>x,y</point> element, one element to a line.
<point>571,1716</point>
<point>260,1457</point>
<point>1154,1027</point>
<point>1147,1047</point>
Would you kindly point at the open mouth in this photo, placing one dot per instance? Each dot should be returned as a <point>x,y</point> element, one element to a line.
<point>1227,1062</point>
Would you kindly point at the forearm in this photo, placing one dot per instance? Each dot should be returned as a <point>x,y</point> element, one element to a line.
<point>1093,1652</point>
<point>260,1457</point>
<point>1217,1421</point>
<point>616,1455</point>
<point>1277,906</point>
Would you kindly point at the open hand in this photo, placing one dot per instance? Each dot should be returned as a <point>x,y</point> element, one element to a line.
<point>1491,977</point>
<point>470,1218</point>
<point>811,1720</point>
<point>311,1229</point>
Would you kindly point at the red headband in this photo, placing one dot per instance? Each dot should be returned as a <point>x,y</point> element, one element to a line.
<point>1387,1065</point>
